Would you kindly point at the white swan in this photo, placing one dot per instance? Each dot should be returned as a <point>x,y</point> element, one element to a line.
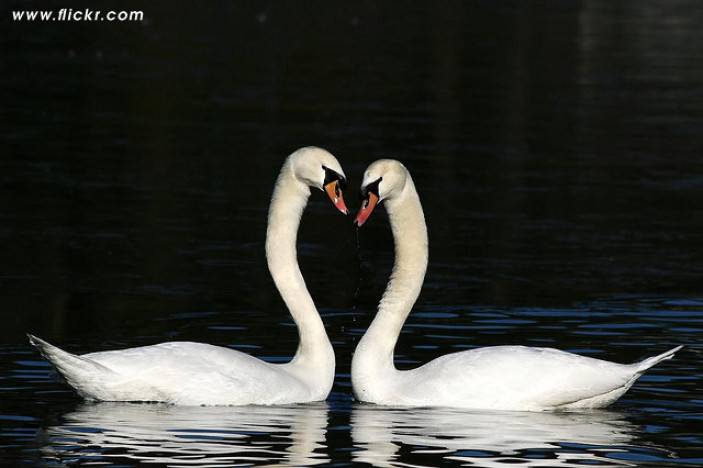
<point>200,374</point>
<point>499,377</point>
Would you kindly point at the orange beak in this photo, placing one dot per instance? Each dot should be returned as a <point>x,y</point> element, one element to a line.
<point>366,208</point>
<point>335,194</point>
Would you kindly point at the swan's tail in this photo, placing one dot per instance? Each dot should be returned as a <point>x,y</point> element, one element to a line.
<point>654,360</point>
<point>81,373</point>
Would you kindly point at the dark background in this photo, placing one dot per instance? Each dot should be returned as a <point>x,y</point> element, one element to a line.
<point>556,147</point>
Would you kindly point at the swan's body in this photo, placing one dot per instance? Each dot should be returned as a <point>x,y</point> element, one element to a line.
<point>184,373</point>
<point>499,377</point>
<point>200,374</point>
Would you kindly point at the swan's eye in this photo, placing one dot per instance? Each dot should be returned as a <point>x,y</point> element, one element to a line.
<point>371,188</point>
<point>333,176</point>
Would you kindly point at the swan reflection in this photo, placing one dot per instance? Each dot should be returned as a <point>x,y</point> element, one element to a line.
<point>191,436</point>
<point>487,439</point>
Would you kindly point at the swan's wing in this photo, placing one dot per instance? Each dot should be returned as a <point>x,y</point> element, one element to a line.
<point>197,373</point>
<point>517,377</point>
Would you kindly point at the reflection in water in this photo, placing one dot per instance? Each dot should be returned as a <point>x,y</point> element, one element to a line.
<point>191,436</point>
<point>487,438</point>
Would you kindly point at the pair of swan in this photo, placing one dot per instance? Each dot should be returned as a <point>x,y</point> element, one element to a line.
<point>500,377</point>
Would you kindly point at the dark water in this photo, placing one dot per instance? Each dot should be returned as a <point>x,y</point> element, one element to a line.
<point>557,149</point>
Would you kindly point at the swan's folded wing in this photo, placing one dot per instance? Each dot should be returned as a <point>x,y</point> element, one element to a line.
<point>196,373</point>
<point>517,377</point>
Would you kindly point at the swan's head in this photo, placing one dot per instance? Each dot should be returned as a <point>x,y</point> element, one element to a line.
<point>317,168</point>
<point>383,180</point>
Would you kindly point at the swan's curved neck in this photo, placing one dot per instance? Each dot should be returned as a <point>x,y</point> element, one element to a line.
<point>375,350</point>
<point>290,196</point>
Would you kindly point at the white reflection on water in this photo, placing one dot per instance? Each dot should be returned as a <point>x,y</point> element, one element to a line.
<point>191,436</point>
<point>487,439</point>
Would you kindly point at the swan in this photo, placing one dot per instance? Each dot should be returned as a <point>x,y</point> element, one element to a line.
<point>186,373</point>
<point>516,378</point>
